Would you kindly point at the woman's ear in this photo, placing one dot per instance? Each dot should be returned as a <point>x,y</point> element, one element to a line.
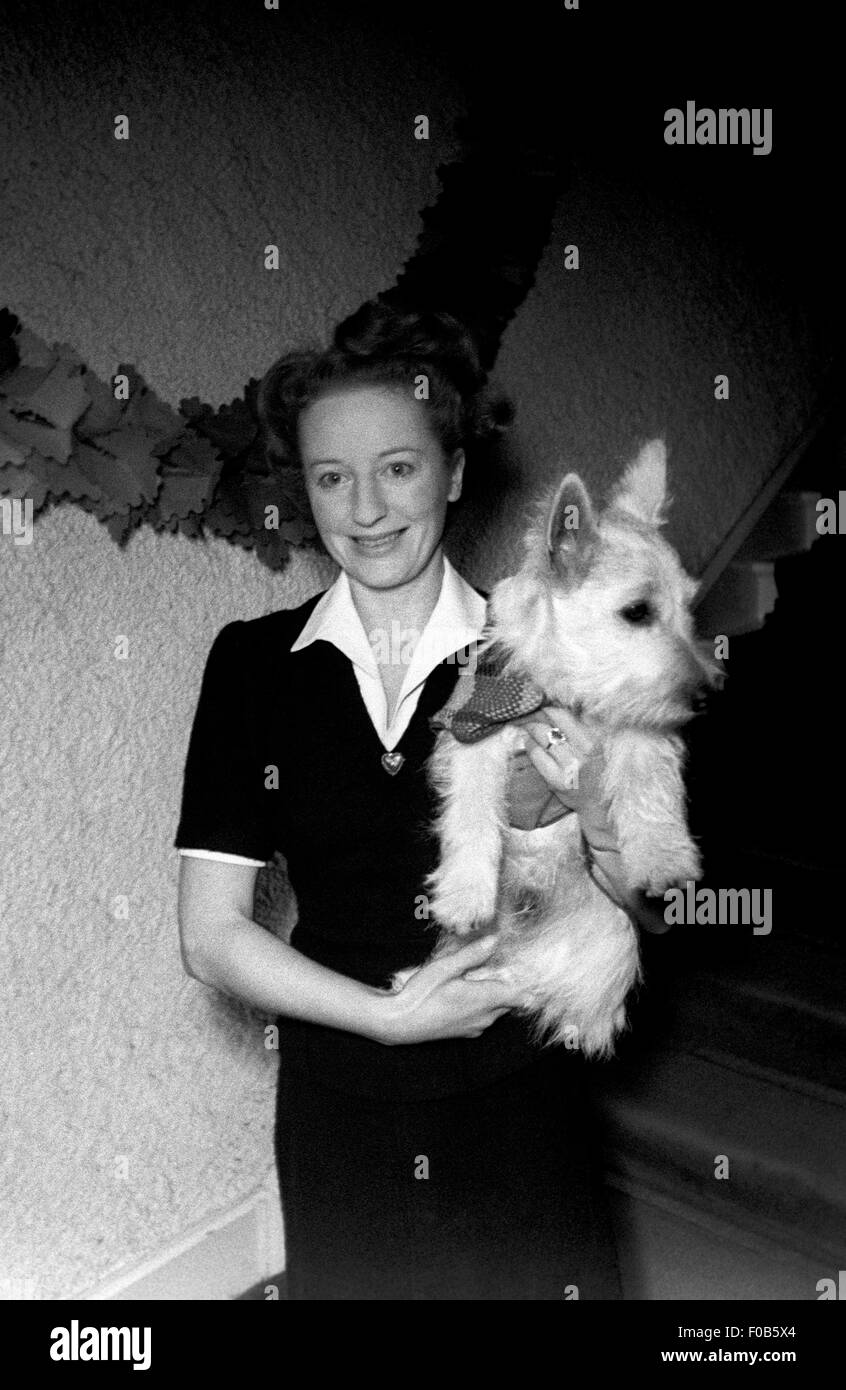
<point>457,467</point>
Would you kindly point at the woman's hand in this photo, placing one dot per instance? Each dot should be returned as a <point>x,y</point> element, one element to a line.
<point>571,768</point>
<point>568,761</point>
<point>438,1002</point>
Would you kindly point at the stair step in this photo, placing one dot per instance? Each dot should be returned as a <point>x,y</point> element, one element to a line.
<point>788,527</point>
<point>745,593</point>
<point>708,975</point>
<point>739,601</point>
<point>669,1251</point>
<point>792,969</point>
<point>796,1045</point>
<point>668,1115</point>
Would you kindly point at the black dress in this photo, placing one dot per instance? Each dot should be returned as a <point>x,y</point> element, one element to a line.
<point>457,1169</point>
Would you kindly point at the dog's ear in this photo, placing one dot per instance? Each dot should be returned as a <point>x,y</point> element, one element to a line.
<point>642,491</point>
<point>571,532</point>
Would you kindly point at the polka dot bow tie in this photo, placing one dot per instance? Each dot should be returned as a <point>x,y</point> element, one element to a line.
<point>486,697</point>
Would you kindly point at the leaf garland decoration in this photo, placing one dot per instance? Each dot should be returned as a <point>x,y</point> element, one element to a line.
<point>65,437</point>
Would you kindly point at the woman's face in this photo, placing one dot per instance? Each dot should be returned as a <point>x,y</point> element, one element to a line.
<point>378,482</point>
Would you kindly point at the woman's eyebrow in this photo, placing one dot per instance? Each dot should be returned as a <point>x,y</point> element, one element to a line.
<point>398,449</point>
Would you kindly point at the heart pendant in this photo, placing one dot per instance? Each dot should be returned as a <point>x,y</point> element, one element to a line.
<point>392,762</point>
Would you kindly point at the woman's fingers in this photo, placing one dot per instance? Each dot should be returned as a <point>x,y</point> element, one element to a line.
<point>512,996</point>
<point>465,957</point>
<point>559,767</point>
<point>552,717</point>
<point>553,759</point>
<point>560,761</point>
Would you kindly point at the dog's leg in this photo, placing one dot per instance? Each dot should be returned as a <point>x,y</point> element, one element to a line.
<point>472,781</point>
<point>646,792</point>
<point>577,954</point>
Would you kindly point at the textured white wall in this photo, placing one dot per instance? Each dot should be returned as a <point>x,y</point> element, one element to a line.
<point>151,252</point>
<point>139,1099</point>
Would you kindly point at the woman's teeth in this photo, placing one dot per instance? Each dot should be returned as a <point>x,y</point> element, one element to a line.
<point>377,545</point>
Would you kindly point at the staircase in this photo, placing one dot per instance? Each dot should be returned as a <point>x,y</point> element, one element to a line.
<point>724,1115</point>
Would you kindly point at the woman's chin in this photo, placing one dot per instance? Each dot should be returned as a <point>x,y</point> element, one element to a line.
<point>379,574</point>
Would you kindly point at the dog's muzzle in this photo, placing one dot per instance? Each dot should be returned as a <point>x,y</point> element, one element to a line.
<point>707,677</point>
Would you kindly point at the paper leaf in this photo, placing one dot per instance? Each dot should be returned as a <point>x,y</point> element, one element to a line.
<point>191,526</point>
<point>231,429</point>
<point>297,532</point>
<point>194,456</point>
<point>68,480</point>
<point>91,463</point>
<point>270,492</point>
<point>273,548</point>
<point>183,494</point>
<point>147,412</point>
<point>228,514</point>
<point>166,443</point>
<point>66,353</point>
<point>22,381</point>
<point>131,475</point>
<point>12,453</point>
<point>103,413</point>
<point>33,351</point>
<point>119,527</point>
<point>54,443</point>
<point>23,482</point>
<point>61,397</point>
<point>112,485</point>
<point>134,378</point>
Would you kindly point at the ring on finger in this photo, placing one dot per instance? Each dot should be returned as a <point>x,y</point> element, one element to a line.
<point>554,735</point>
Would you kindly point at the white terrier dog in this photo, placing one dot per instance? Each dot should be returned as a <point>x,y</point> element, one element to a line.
<point>597,619</point>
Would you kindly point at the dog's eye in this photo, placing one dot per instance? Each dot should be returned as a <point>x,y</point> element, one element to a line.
<point>638,613</point>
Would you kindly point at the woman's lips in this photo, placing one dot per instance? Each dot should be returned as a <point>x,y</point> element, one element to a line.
<point>378,545</point>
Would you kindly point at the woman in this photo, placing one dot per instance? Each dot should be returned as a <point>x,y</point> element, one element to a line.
<point>425,1148</point>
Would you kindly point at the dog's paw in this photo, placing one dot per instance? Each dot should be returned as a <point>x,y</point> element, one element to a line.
<point>462,905</point>
<point>686,867</point>
<point>655,874</point>
<point>656,883</point>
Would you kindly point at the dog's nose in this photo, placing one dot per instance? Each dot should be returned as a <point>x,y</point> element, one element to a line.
<point>715,677</point>
<point>704,690</point>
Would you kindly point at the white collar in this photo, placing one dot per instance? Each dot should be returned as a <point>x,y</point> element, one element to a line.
<point>456,620</point>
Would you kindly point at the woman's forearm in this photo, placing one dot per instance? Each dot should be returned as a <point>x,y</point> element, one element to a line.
<point>244,960</point>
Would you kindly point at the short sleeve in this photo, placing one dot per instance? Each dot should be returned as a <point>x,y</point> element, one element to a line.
<point>224,804</point>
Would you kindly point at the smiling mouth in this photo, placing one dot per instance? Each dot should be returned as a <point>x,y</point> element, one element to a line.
<point>378,543</point>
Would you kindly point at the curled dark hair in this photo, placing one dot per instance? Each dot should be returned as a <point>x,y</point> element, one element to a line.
<point>382,345</point>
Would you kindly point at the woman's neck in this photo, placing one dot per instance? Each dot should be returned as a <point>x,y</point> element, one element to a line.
<point>410,605</point>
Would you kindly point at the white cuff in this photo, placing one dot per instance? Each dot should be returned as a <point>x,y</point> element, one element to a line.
<point>223,858</point>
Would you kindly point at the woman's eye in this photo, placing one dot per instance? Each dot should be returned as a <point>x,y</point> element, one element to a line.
<point>400,468</point>
<point>328,480</point>
<point>637,613</point>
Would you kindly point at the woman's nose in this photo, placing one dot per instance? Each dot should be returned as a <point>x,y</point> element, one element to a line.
<point>368,503</point>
